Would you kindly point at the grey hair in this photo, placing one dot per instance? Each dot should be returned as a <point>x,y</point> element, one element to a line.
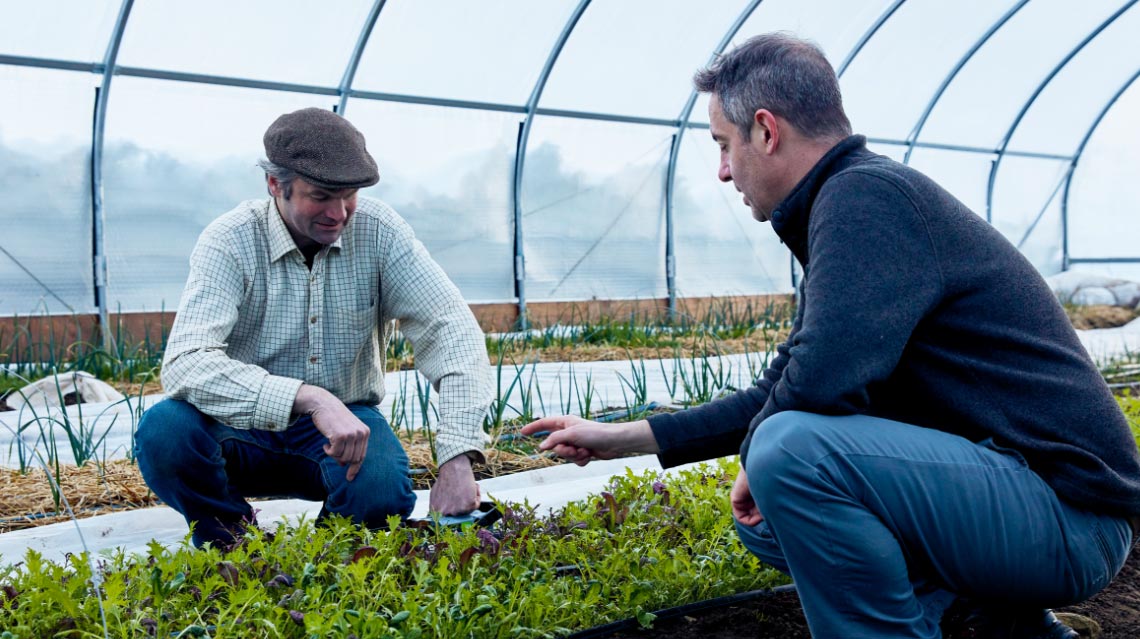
<point>784,74</point>
<point>284,177</point>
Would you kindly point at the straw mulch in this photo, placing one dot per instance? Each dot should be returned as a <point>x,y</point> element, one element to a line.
<point>1086,317</point>
<point>27,500</point>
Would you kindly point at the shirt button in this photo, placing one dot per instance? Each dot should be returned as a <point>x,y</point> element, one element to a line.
<point>313,319</point>
<point>313,359</point>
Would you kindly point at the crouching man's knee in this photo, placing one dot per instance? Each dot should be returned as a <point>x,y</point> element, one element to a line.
<point>173,435</point>
<point>378,492</point>
<point>784,451</point>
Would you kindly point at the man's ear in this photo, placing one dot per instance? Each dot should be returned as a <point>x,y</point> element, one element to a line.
<point>765,131</point>
<point>273,185</point>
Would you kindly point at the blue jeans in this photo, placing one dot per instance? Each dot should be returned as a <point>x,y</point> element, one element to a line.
<point>882,525</point>
<point>205,469</point>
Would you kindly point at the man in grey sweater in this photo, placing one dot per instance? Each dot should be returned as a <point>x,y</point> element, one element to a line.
<point>932,430</point>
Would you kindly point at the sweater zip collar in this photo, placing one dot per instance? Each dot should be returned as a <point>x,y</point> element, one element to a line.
<point>790,218</point>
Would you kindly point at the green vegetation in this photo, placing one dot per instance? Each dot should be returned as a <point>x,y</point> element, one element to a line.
<point>724,320</point>
<point>1123,377</point>
<point>646,543</point>
<point>25,356</point>
<point>1123,373</point>
<point>1130,404</point>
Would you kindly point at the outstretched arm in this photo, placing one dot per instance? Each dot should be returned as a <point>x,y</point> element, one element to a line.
<point>580,440</point>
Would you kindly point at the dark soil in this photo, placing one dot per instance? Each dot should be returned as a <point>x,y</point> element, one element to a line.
<point>1116,609</point>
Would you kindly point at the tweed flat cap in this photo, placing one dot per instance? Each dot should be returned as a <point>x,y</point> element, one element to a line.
<point>324,148</point>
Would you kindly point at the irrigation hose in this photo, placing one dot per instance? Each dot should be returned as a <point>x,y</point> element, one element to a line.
<point>623,625</point>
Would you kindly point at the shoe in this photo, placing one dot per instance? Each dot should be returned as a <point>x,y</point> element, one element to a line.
<point>977,622</point>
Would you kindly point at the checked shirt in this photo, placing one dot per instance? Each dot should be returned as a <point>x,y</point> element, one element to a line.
<point>255,322</point>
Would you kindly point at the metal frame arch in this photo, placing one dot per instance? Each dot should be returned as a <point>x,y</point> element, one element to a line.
<point>994,28</point>
<point>520,155</point>
<point>272,85</point>
<point>361,42</point>
<point>1073,166</point>
<point>674,151</point>
<point>99,255</point>
<point>1001,150</point>
<point>867,35</point>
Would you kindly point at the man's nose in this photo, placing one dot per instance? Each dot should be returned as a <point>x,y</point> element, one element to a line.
<point>337,210</point>
<point>723,173</point>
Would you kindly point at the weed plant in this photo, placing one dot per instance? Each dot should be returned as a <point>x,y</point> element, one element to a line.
<point>636,383</point>
<point>496,412</point>
<point>398,417</point>
<point>429,413</point>
<point>646,543</point>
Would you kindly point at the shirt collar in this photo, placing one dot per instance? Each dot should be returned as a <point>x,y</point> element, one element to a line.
<point>280,241</point>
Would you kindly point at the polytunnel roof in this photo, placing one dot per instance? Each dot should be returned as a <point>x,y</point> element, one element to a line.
<point>555,132</point>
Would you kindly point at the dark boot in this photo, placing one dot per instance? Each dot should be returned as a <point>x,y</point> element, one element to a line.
<point>970,621</point>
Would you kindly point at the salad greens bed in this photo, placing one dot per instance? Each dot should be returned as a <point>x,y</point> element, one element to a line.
<point>648,542</point>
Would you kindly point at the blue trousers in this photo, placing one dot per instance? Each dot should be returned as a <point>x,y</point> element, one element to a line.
<point>205,470</point>
<point>882,525</point>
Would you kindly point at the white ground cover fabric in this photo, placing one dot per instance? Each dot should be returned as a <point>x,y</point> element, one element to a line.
<point>1088,289</point>
<point>1106,344</point>
<point>545,488</point>
<point>51,391</point>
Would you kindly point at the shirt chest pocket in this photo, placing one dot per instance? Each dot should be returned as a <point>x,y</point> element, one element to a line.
<point>353,324</point>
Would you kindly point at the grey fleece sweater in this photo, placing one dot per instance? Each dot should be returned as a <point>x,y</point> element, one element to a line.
<point>915,309</point>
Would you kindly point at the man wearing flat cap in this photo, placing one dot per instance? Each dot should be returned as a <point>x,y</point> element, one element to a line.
<point>275,366</point>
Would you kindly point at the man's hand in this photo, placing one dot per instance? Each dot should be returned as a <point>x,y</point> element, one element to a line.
<point>347,435</point>
<point>580,440</point>
<point>455,491</point>
<point>743,506</point>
